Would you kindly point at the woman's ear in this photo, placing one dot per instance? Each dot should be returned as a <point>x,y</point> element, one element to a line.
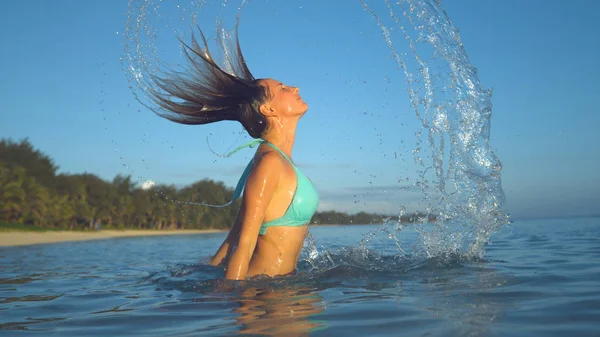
<point>267,110</point>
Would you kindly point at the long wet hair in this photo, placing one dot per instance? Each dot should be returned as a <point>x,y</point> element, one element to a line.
<point>206,93</point>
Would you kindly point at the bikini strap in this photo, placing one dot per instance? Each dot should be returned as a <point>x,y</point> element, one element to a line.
<point>242,182</point>
<point>250,144</point>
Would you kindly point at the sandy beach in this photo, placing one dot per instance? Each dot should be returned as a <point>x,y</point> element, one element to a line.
<point>32,238</point>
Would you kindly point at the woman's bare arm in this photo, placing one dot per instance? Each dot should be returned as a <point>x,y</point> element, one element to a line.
<point>259,190</point>
<point>229,242</point>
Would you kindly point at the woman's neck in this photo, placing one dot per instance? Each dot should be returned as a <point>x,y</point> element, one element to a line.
<point>282,134</point>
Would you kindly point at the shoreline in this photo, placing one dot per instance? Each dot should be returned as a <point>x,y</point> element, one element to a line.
<point>25,238</point>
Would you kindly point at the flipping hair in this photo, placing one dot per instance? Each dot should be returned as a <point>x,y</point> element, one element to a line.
<point>205,93</point>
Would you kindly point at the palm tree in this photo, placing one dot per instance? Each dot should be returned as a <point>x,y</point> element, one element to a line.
<point>36,201</point>
<point>141,208</point>
<point>65,211</point>
<point>12,196</point>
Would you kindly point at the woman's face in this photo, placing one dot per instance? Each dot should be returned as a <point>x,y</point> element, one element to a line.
<point>285,100</point>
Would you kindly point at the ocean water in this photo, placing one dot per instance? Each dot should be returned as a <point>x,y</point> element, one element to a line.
<point>537,278</point>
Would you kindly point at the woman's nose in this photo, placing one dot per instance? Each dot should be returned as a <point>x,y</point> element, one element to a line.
<point>296,90</point>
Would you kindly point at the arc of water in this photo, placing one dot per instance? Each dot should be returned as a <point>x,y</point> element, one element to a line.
<point>463,120</point>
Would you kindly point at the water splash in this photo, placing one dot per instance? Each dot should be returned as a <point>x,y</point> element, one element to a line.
<point>460,176</point>
<point>142,59</point>
<point>461,183</point>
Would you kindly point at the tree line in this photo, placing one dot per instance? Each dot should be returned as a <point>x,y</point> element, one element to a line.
<point>32,193</point>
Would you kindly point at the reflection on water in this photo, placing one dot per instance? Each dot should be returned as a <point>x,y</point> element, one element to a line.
<point>16,280</point>
<point>282,306</point>
<point>278,312</point>
<point>28,298</point>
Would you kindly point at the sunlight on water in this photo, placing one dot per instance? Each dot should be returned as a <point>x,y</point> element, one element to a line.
<point>460,176</point>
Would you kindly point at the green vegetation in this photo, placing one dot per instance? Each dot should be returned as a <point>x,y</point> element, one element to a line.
<point>13,227</point>
<point>31,193</point>
<point>33,197</point>
<point>333,217</point>
<point>362,218</point>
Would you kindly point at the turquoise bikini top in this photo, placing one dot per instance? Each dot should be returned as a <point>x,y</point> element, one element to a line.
<point>304,203</point>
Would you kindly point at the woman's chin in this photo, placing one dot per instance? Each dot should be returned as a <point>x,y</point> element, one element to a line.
<point>305,108</point>
<point>299,110</point>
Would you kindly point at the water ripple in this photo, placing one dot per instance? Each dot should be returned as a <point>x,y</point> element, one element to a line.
<point>514,291</point>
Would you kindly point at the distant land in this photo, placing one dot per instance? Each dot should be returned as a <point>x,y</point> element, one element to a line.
<point>33,195</point>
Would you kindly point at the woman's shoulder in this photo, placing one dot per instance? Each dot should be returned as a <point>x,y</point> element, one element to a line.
<point>269,161</point>
<point>268,169</point>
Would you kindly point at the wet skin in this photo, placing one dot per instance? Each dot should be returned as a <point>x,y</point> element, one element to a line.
<point>269,190</point>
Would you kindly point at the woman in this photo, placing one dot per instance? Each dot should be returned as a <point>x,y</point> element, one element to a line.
<point>278,200</point>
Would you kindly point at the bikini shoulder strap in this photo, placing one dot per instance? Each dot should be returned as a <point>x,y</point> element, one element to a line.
<point>242,182</point>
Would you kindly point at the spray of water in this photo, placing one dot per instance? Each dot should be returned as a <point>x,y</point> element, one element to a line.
<point>141,59</point>
<point>460,176</point>
<point>461,181</point>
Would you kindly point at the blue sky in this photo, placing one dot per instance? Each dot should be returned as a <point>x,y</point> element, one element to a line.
<point>64,89</point>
